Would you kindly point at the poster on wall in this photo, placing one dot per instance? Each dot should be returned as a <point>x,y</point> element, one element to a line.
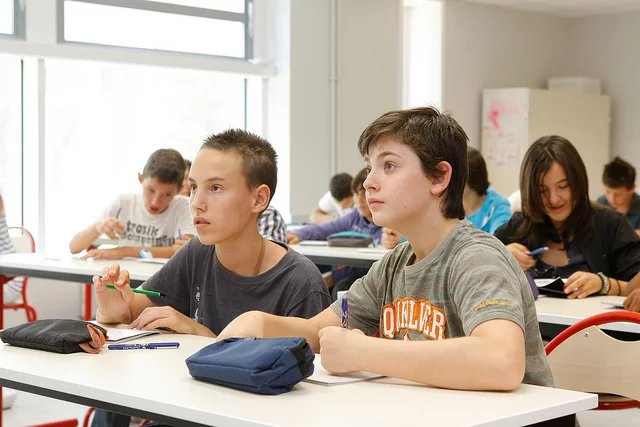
<point>504,126</point>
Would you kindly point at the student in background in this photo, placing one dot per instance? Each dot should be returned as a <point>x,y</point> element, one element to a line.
<point>360,220</point>
<point>484,207</point>
<point>184,189</point>
<point>619,179</point>
<point>271,225</point>
<point>450,280</point>
<point>336,202</point>
<point>595,247</point>
<point>230,268</point>
<point>151,220</point>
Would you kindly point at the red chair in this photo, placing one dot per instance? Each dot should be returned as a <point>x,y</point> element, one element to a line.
<point>584,358</point>
<point>23,241</point>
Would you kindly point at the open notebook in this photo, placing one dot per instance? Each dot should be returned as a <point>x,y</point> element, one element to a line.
<point>324,377</point>
<point>124,334</point>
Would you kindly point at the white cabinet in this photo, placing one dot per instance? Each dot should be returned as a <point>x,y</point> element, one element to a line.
<point>512,119</point>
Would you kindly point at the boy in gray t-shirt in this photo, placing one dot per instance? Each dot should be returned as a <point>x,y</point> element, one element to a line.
<point>452,290</point>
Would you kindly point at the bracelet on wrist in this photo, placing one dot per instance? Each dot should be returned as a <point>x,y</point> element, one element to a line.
<point>606,285</point>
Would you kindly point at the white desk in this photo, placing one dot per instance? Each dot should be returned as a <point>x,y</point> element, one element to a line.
<point>331,255</point>
<point>155,384</point>
<point>564,312</point>
<point>69,269</point>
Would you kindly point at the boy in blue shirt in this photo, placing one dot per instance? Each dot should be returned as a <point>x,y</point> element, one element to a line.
<point>619,179</point>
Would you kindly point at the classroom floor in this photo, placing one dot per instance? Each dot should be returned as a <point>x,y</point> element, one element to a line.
<point>30,409</point>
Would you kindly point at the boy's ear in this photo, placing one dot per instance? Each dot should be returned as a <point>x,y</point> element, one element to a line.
<point>438,185</point>
<point>140,178</point>
<point>262,196</point>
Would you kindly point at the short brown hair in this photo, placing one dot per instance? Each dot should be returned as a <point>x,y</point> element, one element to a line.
<point>166,165</point>
<point>340,186</point>
<point>619,173</point>
<point>478,176</point>
<point>258,156</point>
<point>435,138</point>
<point>357,183</point>
<point>536,163</point>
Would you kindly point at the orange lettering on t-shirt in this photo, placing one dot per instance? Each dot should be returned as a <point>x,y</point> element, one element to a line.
<point>408,314</point>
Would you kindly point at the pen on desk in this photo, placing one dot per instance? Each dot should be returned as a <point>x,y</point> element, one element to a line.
<point>149,346</point>
<point>139,291</point>
<point>345,312</point>
<point>538,251</point>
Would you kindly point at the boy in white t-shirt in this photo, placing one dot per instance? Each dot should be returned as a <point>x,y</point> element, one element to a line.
<point>151,220</point>
<point>338,201</point>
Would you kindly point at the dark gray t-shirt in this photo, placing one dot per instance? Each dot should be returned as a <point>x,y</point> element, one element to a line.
<point>468,279</point>
<point>195,283</point>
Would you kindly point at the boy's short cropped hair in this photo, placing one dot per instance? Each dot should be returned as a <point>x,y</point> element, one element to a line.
<point>434,137</point>
<point>619,173</point>
<point>166,165</point>
<point>258,156</point>
<point>478,179</point>
<point>357,183</point>
<point>340,186</point>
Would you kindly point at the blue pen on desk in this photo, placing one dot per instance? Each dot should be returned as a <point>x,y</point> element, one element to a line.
<point>538,251</point>
<point>150,346</point>
<point>179,234</point>
<point>345,312</point>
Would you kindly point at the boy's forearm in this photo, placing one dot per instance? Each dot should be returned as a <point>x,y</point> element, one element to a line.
<point>632,285</point>
<point>156,251</point>
<point>468,363</point>
<point>83,239</point>
<point>278,326</point>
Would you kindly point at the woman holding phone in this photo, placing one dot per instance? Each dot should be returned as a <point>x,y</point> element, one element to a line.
<point>594,247</point>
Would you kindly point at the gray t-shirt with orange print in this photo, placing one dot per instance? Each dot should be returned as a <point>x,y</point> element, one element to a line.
<point>468,279</point>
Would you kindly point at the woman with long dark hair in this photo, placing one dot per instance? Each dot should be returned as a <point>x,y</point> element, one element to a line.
<point>594,247</point>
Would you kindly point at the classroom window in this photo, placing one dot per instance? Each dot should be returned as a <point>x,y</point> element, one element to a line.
<point>11,137</point>
<point>6,17</point>
<point>104,120</point>
<point>422,39</point>
<point>159,26</point>
<point>227,5</point>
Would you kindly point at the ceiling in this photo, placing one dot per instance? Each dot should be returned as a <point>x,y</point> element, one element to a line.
<point>567,8</point>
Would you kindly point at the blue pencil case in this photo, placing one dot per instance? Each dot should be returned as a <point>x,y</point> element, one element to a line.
<point>350,239</point>
<point>258,365</point>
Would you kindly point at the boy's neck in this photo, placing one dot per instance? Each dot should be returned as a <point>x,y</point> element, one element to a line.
<point>427,234</point>
<point>242,256</point>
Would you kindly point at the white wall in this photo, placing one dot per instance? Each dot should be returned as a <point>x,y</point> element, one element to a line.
<point>368,45</point>
<point>606,47</point>
<point>487,47</point>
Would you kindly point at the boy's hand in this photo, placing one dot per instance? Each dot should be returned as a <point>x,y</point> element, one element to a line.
<point>113,304</point>
<point>339,349</point>
<point>581,284</point>
<point>165,317</point>
<point>390,238</point>
<point>111,227</point>
<point>292,239</point>
<point>247,325</point>
<point>113,253</point>
<point>181,242</point>
<point>520,252</point>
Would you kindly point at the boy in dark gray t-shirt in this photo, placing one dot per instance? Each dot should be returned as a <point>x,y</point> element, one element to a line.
<point>196,284</point>
<point>230,268</point>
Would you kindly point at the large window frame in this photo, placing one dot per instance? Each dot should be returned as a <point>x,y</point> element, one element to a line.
<point>18,21</point>
<point>168,8</point>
